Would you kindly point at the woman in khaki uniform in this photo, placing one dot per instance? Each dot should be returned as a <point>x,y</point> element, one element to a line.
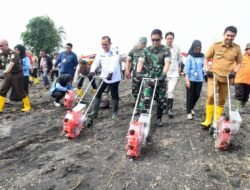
<point>224,55</point>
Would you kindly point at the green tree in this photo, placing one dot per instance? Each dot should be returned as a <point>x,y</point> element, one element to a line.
<point>41,33</point>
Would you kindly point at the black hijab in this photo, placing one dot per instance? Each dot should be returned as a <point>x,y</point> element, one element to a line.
<point>196,43</point>
<point>64,79</point>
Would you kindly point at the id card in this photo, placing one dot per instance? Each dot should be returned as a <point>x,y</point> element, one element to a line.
<point>195,74</point>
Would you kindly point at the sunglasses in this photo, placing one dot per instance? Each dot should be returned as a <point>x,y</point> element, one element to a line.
<point>156,39</point>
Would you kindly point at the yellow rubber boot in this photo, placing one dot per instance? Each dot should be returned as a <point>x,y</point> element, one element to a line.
<point>2,102</point>
<point>31,78</point>
<point>36,80</point>
<point>209,116</point>
<point>26,104</point>
<point>219,111</point>
<point>79,92</point>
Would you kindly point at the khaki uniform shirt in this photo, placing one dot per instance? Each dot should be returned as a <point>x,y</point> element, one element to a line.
<point>223,58</point>
<point>11,56</point>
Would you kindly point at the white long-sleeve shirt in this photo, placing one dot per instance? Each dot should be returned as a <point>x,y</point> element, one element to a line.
<point>176,59</point>
<point>109,62</point>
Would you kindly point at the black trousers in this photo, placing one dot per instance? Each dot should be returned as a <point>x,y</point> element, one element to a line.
<point>13,94</point>
<point>80,83</point>
<point>58,96</point>
<point>34,73</point>
<point>114,88</point>
<point>193,94</point>
<point>181,65</point>
<point>15,81</point>
<point>53,74</point>
<point>242,91</point>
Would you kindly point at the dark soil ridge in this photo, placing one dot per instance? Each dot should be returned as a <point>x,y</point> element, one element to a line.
<point>35,154</point>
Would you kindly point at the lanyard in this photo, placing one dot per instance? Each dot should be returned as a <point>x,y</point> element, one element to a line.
<point>196,64</point>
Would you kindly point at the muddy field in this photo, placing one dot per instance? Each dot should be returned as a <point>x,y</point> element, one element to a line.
<point>35,155</point>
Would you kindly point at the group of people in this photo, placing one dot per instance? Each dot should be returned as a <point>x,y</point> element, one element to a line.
<point>223,59</point>
<point>156,62</point>
<point>20,68</point>
<point>15,66</point>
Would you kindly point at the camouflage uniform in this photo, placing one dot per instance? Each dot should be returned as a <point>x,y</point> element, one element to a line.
<point>153,68</point>
<point>135,54</point>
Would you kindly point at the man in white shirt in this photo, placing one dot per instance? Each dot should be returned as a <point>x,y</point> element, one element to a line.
<point>108,59</point>
<point>173,72</point>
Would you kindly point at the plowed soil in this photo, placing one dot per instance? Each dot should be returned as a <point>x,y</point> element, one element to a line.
<point>34,154</point>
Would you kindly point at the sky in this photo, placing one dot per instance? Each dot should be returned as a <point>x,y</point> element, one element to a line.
<point>86,21</point>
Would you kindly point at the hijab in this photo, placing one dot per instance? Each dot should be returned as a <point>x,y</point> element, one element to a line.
<point>196,43</point>
<point>64,79</point>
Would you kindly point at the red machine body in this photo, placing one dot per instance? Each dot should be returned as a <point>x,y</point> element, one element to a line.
<point>224,133</point>
<point>226,126</point>
<point>135,139</point>
<point>74,121</point>
<point>70,99</point>
<point>139,127</point>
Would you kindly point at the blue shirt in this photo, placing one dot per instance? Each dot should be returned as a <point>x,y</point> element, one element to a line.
<point>194,68</point>
<point>57,87</point>
<point>68,63</point>
<point>26,66</point>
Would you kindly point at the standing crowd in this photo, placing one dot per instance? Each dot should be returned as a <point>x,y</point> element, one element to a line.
<point>19,69</point>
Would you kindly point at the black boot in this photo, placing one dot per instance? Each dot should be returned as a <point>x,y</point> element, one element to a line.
<point>94,113</point>
<point>165,109</point>
<point>159,116</point>
<point>170,107</point>
<point>115,105</point>
<point>159,123</point>
<point>104,104</point>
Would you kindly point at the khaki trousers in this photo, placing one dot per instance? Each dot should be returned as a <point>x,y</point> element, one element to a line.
<point>221,88</point>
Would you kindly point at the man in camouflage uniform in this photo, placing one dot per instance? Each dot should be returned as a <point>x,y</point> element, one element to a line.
<point>154,63</point>
<point>131,64</point>
<point>13,75</point>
